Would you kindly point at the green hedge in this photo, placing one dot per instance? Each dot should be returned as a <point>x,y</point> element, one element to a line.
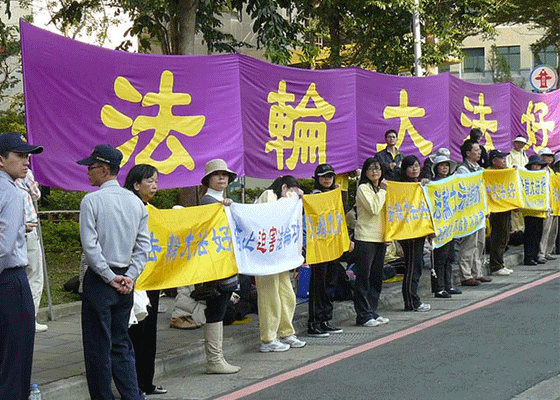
<point>61,236</point>
<point>58,200</point>
<point>165,199</point>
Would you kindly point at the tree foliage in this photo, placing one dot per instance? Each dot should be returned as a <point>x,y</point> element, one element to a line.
<point>173,24</point>
<point>377,34</point>
<point>542,14</point>
<point>501,70</point>
<point>10,62</point>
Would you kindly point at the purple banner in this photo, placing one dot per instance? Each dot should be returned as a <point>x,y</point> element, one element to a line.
<point>178,112</point>
<point>174,112</point>
<point>480,106</point>
<point>294,119</point>
<point>417,108</point>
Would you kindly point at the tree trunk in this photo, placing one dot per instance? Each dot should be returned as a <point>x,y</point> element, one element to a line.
<point>182,36</point>
<point>334,32</point>
<point>186,21</point>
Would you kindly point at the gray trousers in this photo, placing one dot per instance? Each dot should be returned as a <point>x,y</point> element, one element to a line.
<point>550,230</point>
<point>471,251</point>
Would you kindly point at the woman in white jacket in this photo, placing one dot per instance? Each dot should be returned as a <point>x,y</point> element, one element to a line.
<point>369,244</point>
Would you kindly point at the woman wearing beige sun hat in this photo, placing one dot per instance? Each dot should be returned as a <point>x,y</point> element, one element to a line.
<point>517,158</point>
<point>217,176</point>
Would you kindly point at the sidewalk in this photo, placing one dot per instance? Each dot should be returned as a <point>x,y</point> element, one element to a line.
<point>58,365</point>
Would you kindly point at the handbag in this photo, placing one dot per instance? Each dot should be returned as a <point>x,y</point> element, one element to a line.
<point>207,290</point>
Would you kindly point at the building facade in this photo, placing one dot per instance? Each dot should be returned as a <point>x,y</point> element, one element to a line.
<point>513,42</point>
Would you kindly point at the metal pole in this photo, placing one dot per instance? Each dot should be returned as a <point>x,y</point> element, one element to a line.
<point>417,38</point>
<point>45,272</point>
<point>243,190</point>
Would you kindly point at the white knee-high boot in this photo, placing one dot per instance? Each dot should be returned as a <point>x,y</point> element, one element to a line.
<point>215,362</point>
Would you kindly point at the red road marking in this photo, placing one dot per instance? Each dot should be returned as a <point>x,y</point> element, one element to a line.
<point>257,387</point>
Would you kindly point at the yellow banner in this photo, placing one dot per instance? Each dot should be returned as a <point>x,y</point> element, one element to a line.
<point>555,193</point>
<point>406,212</point>
<point>502,189</point>
<point>536,192</point>
<point>327,234</point>
<point>458,206</point>
<point>189,246</point>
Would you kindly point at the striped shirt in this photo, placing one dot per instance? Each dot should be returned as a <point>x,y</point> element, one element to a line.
<point>32,193</point>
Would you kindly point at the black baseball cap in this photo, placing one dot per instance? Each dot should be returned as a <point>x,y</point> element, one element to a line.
<point>13,141</point>
<point>105,154</point>
<point>496,154</point>
<point>324,169</point>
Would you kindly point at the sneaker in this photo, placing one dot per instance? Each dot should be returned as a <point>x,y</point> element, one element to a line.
<point>327,327</point>
<point>454,291</point>
<point>316,331</point>
<point>549,257</point>
<point>382,320</point>
<point>501,272</point>
<point>293,341</point>
<point>40,327</point>
<point>274,346</point>
<point>442,294</point>
<point>509,270</point>
<point>371,323</point>
<point>423,307</point>
<point>541,261</point>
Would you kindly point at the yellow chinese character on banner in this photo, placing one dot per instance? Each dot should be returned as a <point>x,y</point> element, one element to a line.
<point>483,124</point>
<point>162,124</point>
<point>534,121</point>
<point>404,112</point>
<point>310,138</point>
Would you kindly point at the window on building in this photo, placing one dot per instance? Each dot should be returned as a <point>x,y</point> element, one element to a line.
<point>512,56</point>
<point>474,60</point>
<point>444,68</point>
<point>548,56</point>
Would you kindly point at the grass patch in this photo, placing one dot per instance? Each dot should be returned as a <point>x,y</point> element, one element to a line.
<point>61,266</point>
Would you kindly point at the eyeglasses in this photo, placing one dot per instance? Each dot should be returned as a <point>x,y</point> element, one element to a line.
<point>90,168</point>
<point>371,169</point>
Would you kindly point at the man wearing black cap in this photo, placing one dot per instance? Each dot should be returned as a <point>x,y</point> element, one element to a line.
<point>17,312</point>
<point>114,235</point>
<point>500,224</point>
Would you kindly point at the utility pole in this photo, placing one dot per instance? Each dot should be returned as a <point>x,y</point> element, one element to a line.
<point>417,38</point>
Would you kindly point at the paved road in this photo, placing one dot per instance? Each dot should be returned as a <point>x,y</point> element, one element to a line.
<point>504,350</point>
<point>492,353</point>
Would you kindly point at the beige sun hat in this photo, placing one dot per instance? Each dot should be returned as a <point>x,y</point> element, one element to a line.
<point>441,159</point>
<point>215,165</point>
<point>442,151</point>
<point>546,152</point>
